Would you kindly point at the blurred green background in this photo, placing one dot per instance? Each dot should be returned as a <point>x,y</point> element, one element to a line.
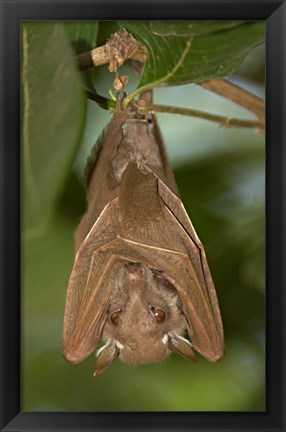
<point>221,177</point>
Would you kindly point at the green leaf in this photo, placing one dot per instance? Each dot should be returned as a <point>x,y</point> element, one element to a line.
<point>190,28</point>
<point>165,54</point>
<point>174,60</point>
<point>220,54</point>
<point>53,117</point>
<point>83,35</point>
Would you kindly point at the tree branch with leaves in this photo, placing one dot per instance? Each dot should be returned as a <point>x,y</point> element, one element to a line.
<point>122,46</point>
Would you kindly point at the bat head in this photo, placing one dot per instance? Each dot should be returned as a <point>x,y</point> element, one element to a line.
<point>144,321</point>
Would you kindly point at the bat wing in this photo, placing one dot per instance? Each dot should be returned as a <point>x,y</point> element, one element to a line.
<point>91,291</point>
<point>162,232</point>
<point>103,231</point>
<point>175,205</point>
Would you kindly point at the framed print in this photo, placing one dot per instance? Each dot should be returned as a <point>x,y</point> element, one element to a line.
<point>142,248</point>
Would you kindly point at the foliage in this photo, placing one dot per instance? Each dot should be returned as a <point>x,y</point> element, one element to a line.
<point>174,60</point>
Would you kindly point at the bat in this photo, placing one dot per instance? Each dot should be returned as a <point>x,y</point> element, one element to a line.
<point>140,280</point>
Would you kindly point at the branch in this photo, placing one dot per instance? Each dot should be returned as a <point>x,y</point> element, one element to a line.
<point>238,95</point>
<point>123,46</point>
<point>223,121</point>
<point>120,47</point>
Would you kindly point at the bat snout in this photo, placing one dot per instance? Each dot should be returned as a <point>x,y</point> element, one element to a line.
<point>148,352</point>
<point>142,343</point>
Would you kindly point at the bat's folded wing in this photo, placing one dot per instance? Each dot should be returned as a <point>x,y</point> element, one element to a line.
<point>85,321</point>
<point>157,226</point>
<point>190,238</point>
<point>103,232</point>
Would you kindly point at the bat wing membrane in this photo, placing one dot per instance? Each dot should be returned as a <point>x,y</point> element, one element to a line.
<point>176,207</point>
<point>160,236</point>
<point>86,321</point>
<point>103,232</point>
<point>163,233</point>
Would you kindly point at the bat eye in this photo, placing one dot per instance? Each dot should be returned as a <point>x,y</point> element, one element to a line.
<point>159,314</point>
<point>114,317</point>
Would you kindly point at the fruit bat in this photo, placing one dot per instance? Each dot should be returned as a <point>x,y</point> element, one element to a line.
<point>140,280</point>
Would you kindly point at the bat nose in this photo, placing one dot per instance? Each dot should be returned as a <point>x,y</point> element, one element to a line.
<point>127,339</point>
<point>144,325</point>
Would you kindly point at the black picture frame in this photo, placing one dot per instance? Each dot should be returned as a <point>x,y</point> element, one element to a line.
<point>12,13</point>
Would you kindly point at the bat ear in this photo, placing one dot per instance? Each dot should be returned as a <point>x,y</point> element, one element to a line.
<point>105,357</point>
<point>181,346</point>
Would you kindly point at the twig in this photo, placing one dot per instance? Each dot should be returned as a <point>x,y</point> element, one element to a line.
<point>238,95</point>
<point>223,121</point>
<point>120,47</point>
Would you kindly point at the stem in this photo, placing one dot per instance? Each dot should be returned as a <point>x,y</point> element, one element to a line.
<point>223,121</point>
<point>238,95</point>
<point>93,58</point>
<point>120,47</point>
